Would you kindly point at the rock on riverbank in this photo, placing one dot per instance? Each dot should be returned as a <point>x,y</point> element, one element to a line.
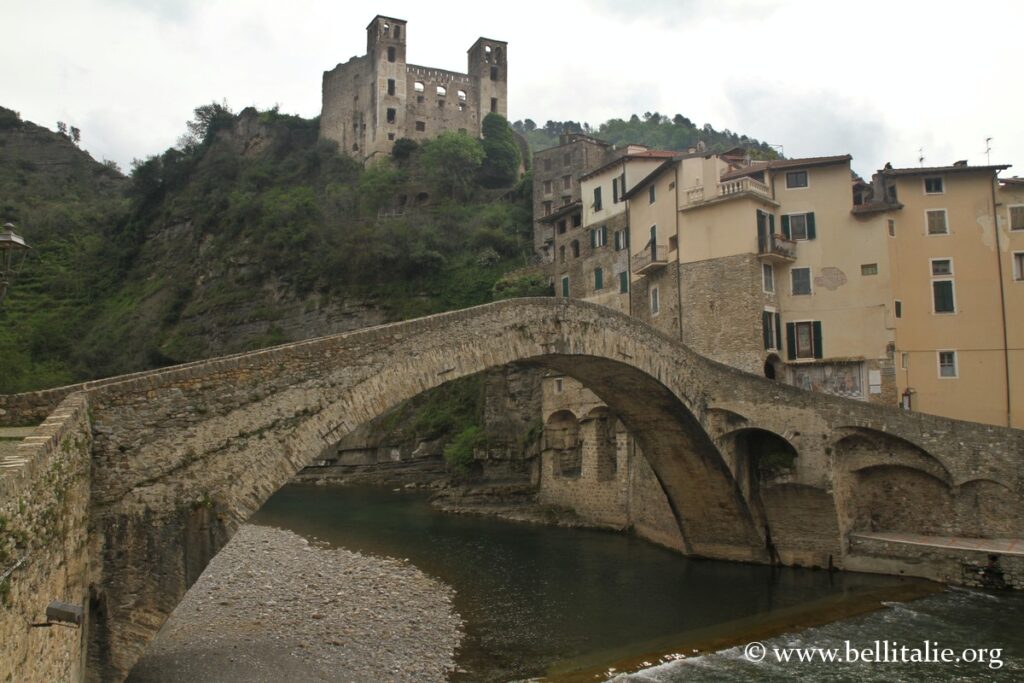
<point>273,607</point>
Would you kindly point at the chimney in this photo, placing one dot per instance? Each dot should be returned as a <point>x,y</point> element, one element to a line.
<point>961,163</point>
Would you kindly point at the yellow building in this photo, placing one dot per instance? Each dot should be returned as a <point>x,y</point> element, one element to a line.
<point>953,245</point>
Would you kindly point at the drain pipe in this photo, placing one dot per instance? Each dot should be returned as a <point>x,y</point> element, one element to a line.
<point>1002,299</point>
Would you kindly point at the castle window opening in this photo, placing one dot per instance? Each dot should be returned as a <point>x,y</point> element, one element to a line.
<point>422,198</point>
<point>391,136</point>
<point>418,86</point>
<point>391,54</point>
<point>391,86</point>
<point>440,104</point>
<point>462,96</point>
<point>498,56</point>
<point>355,147</point>
<point>398,32</point>
<point>494,73</point>
<point>441,91</point>
<point>487,53</point>
<point>462,106</point>
<point>494,105</point>
<point>392,114</point>
<point>421,126</point>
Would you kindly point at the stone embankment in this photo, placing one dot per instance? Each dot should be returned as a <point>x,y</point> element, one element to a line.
<point>273,607</point>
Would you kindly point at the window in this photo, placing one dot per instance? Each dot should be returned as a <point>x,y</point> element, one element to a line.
<point>391,86</point>
<point>391,54</point>
<point>796,179</point>
<point>933,185</point>
<point>615,190</point>
<point>494,73</point>
<point>462,96</point>
<point>892,228</point>
<point>577,220</point>
<point>598,279</point>
<point>547,164</point>
<point>561,227</point>
<point>547,187</point>
<point>801,281</point>
<point>937,222</point>
<point>566,182</point>
<point>391,115</point>
<point>567,158</point>
<point>494,105</point>
<point>947,364</point>
<point>440,104</point>
<point>547,208</point>
<point>624,282</point>
<point>942,296</point>
<point>418,86</point>
<point>772,335</point>
<point>869,269</point>
<point>673,243</point>
<point>898,308</point>
<point>650,194</point>
<point>561,254</point>
<point>1017,217</point>
<point>655,301</point>
<point>1018,266</point>
<point>597,199</point>
<point>803,339</point>
<point>558,385</point>
<point>905,360</point>
<point>575,246</point>
<point>599,236</point>
<point>398,32</point>
<point>767,277</point>
<point>798,226</point>
<point>391,136</point>
<point>421,126</point>
<point>442,91</point>
<point>565,286</point>
<point>941,266</point>
<point>620,240</point>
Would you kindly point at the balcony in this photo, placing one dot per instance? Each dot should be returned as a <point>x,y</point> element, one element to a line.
<point>650,259</point>
<point>776,248</point>
<point>726,190</point>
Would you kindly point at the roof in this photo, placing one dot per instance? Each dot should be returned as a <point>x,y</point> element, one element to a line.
<point>779,164</point>
<point>562,212</point>
<point>1012,181</point>
<point>932,170</point>
<point>875,207</point>
<point>649,154</point>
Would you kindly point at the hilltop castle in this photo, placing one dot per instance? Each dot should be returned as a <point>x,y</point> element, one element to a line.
<point>373,100</point>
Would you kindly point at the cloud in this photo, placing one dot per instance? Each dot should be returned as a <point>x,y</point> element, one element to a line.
<point>176,11</point>
<point>687,11</point>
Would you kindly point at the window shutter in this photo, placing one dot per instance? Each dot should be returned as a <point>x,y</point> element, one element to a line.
<point>766,332</point>
<point>771,223</point>
<point>593,238</point>
<point>598,278</point>
<point>778,331</point>
<point>810,226</point>
<point>615,190</point>
<point>623,282</point>
<point>604,234</point>
<point>791,341</point>
<point>785,227</point>
<point>565,287</point>
<point>816,326</point>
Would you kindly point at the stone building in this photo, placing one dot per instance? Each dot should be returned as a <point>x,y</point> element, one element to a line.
<point>373,100</point>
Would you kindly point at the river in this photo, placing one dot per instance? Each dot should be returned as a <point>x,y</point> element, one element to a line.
<point>584,604</point>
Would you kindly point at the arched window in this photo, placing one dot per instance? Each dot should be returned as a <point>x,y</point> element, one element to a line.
<point>487,53</point>
<point>462,96</point>
<point>441,91</point>
<point>418,86</point>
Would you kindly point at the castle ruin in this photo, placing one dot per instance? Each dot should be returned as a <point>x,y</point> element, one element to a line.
<point>373,100</point>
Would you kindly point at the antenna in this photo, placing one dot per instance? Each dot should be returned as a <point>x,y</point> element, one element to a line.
<point>988,150</point>
<point>920,156</point>
<point>781,153</point>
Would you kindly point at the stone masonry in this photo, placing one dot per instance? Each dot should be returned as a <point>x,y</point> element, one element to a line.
<point>182,456</point>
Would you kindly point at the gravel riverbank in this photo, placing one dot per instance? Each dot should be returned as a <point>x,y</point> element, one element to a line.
<point>273,607</point>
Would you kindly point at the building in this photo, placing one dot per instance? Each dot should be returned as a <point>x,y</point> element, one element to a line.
<point>373,100</point>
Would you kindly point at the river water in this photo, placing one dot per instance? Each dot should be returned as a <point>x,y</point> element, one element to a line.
<point>584,605</point>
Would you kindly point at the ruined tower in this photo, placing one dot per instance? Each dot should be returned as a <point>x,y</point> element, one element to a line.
<point>371,101</point>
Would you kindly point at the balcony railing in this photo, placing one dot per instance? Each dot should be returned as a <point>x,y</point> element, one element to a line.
<point>740,185</point>
<point>776,248</point>
<point>695,195</point>
<point>651,258</point>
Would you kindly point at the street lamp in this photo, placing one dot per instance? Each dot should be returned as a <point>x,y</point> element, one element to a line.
<point>12,255</point>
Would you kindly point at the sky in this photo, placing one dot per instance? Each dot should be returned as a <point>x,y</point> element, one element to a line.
<point>883,80</point>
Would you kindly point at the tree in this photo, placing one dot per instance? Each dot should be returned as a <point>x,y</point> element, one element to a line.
<point>76,135</point>
<point>452,161</point>
<point>62,128</point>
<point>209,118</point>
<point>404,148</point>
<point>500,166</point>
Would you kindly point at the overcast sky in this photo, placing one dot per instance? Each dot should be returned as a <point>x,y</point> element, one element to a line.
<point>879,79</point>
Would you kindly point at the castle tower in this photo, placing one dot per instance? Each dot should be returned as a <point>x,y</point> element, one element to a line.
<point>385,51</point>
<point>488,69</point>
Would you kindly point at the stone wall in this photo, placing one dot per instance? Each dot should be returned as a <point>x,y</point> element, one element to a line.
<point>44,546</point>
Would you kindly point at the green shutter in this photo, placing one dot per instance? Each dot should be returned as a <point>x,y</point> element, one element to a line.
<point>565,287</point>
<point>604,234</point>
<point>623,282</point>
<point>816,326</point>
<point>791,341</point>
<point>778,331</point>
<point>598,278</point>
<point>766,330</point>
<point>785,227</point>
<point>593,238</point>
<point>771,223</point>
<point>810,226</point>
<point>615,190</point>
<point>943,296</point>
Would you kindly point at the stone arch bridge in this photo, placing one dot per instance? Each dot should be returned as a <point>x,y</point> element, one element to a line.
<point>167,464</point>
